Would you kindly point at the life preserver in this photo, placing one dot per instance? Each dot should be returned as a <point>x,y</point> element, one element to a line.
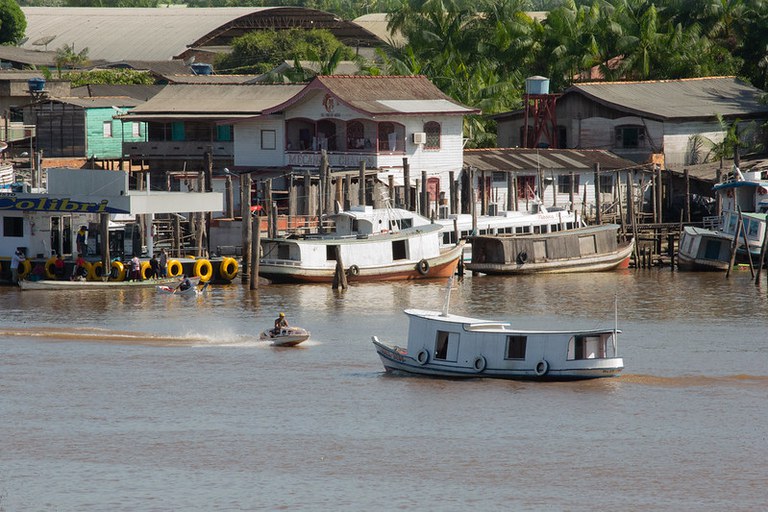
<point>423,356</point>
<point>228,268</point>
<point>25,268</point>
<point>50,268</point>
<point>143,269</point>
<point>354,270</point>
<point>479,364</point>
<point>423,267</point>
<point>522,257</point>
<point>117,271</point>
<point>175,268</point>
<point>98,271</point>
<point>541,368</point>
<point>203,269</point>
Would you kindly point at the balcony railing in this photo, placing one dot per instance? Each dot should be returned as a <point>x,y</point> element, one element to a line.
<point>175,149</point>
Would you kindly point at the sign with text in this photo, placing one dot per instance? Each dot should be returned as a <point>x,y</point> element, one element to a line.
<point>334,160</point>
<point>52,204</point>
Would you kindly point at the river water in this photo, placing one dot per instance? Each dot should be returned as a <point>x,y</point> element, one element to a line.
<point>131,400</point>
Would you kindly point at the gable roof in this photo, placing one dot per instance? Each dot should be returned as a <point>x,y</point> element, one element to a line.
<point>139,92</point>
<point>24,56</point>
<point>213,101</point>
<point>686,99</point>
<point>383,95</point>
<point>528,159</point>
<point>100,102</point>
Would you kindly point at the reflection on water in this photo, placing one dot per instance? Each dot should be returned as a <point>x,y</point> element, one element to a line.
<point>131,400</point>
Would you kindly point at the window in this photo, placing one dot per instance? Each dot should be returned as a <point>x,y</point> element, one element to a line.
<point>564,184</point>
<point>588,347</point>
<point>399,251</point>
<point>268,139</point>
<point>441,345</point>
<point>224,133</point>
<point>432,129</point>
<point>13,226</point>
<point>107,129</point>
<point>136,129</point>
<point>356,135</point>
<point>606,183</point>
<point>387,137</point>
<point>516,347</point>
<point>628,137</point>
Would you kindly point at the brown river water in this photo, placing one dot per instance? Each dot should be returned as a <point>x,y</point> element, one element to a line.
<point>132,400</point>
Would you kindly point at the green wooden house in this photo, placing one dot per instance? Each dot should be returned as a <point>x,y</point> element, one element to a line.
<point>85,127</point>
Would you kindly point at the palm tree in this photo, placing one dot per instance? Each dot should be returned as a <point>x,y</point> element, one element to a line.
<point>67,57</point>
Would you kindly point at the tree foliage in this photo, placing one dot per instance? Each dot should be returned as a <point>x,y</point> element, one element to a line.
<point>109,77</point>
<point>13,24</point>
<point>261,51</point>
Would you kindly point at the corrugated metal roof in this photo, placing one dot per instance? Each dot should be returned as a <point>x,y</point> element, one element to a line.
<point>219,100</point>
<point>102,102</point>
<point>376,23</point>
<point>139,92</point>
<point>521,159</point>
<point>114,34</point>
<point>25,56</point>
<point>211,79</point>
<point>693,98</point>
<point>380,95</point>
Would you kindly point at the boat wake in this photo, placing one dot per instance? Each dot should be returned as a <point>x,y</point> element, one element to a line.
<point>97,335</point>
<point>685,381</point>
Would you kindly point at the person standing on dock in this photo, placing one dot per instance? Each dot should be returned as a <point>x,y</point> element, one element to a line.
<point>82,240</point>
<point>135,268</point>
<point>162,262</point>
<point>16,260</point>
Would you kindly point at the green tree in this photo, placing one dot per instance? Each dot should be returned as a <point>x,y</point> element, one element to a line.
<point>13,24</point>
<point>67,57</point>
<point>109,77</point>
<point>260,51</point>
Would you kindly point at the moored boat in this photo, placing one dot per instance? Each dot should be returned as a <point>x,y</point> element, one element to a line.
<point>588,249</point>
<point>374,245</point>
<point>703,249</point>
<point>49,284</point>
<point>445,345</point>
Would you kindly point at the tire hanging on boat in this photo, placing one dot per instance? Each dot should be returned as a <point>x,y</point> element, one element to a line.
<point>25,268</point>
<point>522,257</point>
<point>50,268</point>
<point>542,367</point>
<point>479,364</point>
<point>423,356</point>
<point>228,268</point>
<point>423,267</point>
<point>117,271</point>
<point>203,269</point>
<point>354,270</point>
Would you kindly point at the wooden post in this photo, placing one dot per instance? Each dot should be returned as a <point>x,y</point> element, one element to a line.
<point>598,196</point>
<point>247,233</point>
<point>307,194</point>
<point>762,254</point>
<point>391,185</point>
<point>687,195</point>
<point>293,205</point>
<point>417,197</point>
<point>734,245</point>
<point>230,197</point>
<point>659,196</point>
<point>472,199</point>
<point>255,251</point>
<point>571,191</point>
<point>361,184</point>
<point>510,192</point>
<point>746,243</point>
<point>321,186</point>
<point>718,199</point>
<point>618,202</point>
<point>339,276</point>
<point>515,192</point>
<point>632,217</point>
<point>453,190</point>
<point>339,193</point>
<point>424,195</point>
<point>407,184</point>
<point>106,261</point>
<point>177,235</point>
<point>347,191</point>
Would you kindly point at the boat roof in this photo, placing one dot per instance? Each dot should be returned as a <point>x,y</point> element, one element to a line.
<point>484,325</point>
<point>695,230</point>
<point>334,238</point>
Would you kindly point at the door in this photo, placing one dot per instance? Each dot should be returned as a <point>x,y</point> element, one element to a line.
<point>55,235</point>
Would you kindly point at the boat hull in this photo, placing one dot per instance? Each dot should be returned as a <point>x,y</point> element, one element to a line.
<point>396,359</point>
<point>439,267</point>
<point>96,285</point>
<point>703,250</point>
<point>287,337</point>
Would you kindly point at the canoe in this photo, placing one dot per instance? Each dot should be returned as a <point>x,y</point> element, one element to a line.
<point>46,284</point>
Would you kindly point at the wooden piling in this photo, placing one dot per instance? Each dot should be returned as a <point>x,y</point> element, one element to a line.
<point>245,212</point>
<point>407,185</point>
<point>734,246</point>
<point>361,184</point>
<point>339,275</point>
<point>347,191</point>
<point>391,185</point>
<point>598,195</point>
<point>255,252</point>
<point>424,194</point>
<point>762,254</point>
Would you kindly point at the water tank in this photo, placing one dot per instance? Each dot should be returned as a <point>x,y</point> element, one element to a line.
<point>36,84</point>
<point>536,85</point>
<point>201,68</point>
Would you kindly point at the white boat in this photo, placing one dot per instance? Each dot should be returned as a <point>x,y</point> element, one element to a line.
<point>286,337</point>
<point>374,244</point>
<point>192,291</point>
<point>703,249</point>
<point>50,284</point>
<point>743,195</point>
<point>589,249</point>
<point>445,345</point>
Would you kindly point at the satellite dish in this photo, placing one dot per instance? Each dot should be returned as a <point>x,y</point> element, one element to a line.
<point>22,41</point>
<point>43,41</point>
<point>189,61</point>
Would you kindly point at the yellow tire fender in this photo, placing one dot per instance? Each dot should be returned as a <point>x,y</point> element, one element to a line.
<point>203,269</point>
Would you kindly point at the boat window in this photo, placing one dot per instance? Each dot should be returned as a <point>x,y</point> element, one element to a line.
<point>752,227</point>
<point>330,252</point>
<point>284,252</point>
<point>441,345</point>
<point>587,347</point>
<point>399,251</point>
<point>554,228</point>
<point>13,226</point>
<point>396,224</point>
<point>537,229</point>
<point>516,347</point>
<point>732,223</point>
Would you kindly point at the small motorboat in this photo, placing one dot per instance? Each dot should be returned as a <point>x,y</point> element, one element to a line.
<point>286,337</point>
<point>192,291</point>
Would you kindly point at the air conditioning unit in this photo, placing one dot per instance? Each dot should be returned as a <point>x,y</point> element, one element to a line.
<point>419,138</point>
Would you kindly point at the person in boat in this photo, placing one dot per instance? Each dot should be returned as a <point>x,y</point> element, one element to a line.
<point>58,267</point>
<point>280,323</point>
<point>185,283</point>
<point>79,271</point>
